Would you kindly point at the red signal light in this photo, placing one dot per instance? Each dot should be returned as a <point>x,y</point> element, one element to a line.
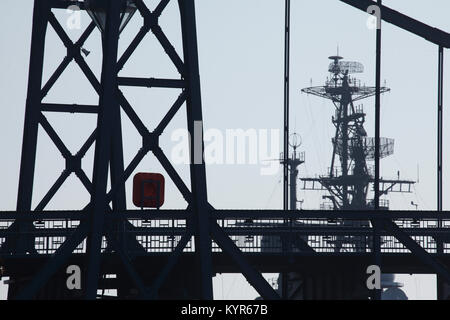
<point>148,190</point>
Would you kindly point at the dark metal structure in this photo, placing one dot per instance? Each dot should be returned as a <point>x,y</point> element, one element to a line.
<point>135,251</point>
<point>294,160</point>
<point>99,220</point>
<point>349,183</point>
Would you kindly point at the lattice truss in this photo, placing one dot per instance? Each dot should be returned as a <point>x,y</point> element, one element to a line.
<point>113,228</point>
<point>149,138</point>
<point>359,147</point>
<point>73,162</point>
<point>96,225</point>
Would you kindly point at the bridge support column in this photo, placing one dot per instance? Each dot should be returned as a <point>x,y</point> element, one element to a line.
<point>443,288</point>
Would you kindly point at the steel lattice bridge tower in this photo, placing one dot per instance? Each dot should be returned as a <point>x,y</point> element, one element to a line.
<point>137,252</point>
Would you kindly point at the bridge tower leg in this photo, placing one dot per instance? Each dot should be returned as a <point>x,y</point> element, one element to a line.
<point>108,159</point>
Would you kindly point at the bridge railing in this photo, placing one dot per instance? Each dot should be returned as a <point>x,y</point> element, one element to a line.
<point>329,233</point>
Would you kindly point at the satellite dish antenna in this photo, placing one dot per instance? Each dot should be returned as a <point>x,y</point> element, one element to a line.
<point>295,140</point>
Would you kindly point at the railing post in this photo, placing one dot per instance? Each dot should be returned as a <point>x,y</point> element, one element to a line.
<point>376,234</point>
<point>440,248</point>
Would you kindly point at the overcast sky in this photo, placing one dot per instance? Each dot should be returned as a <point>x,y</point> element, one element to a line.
<point>241,67</point>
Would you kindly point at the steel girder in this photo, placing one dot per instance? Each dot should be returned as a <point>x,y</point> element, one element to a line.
<point>199,211</point>
<point>431,34</point>
<point>442,39</point>
<point>108,150</point>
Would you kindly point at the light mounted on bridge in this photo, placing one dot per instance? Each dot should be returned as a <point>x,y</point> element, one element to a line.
<point>97,10</point>
<point>148,190</point>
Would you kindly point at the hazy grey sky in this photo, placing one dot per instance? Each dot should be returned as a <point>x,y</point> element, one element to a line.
<point>241,67</point>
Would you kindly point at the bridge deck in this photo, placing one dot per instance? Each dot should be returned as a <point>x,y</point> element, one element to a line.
<point>263,262</point>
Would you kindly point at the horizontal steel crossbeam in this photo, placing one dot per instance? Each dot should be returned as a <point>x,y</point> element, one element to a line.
<point>404,22</point>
